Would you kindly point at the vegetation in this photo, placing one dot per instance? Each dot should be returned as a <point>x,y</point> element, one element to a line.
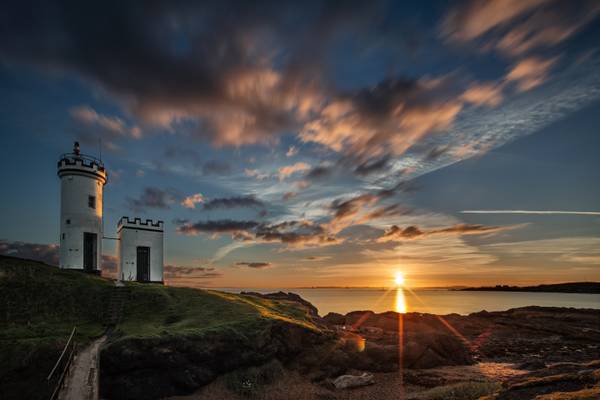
<point>157,310</point>
<point>252,381</point>
<point>462,391</point>
<point>40,305</point>
<point>571,287</point>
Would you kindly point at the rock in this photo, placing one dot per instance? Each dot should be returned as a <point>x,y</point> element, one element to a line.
<point>335,319</point>
<point>532,365</point>
<point>152,368</point>
<point>325,396</point>
<point>352,381</point>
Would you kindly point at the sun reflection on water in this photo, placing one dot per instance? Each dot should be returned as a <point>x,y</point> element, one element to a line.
<point>400,301</point>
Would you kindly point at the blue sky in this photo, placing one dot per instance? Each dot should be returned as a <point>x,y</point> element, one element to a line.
<point>315,144</point>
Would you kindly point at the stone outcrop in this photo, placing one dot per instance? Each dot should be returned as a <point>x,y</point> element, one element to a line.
<point>151,368</point>
<point>353,381</point>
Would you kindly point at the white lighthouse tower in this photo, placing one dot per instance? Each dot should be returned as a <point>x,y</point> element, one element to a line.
<point>81,231</point>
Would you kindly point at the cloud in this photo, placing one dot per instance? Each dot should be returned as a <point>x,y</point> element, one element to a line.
<point>388,118</point>
<point>215,167</point>
<point>232,202</point>
<point>474,18</point>
<point>192,200</point>
<point>530,72</point>
<point>288,170</point>
<point>532,212</point>
<point>291,233</point>
<point>47,253</point>
<point>214,227</point>
<point>90,127</point>
<point>517,27</point>
<point>109,266</point>
<point>255,265</point>
<point>296,234</point>
<point>317,173</point>
<point>372,166</point>
<point>259,76</point>
<point>316,258</point>
<point>395,233</point>
<point>345,210</point>
<point>487,94</point>
<point>292,151</point>
<point>172,271</point>
<point>288,196</point>
<point>255,174</point>
<point>190,276</point>
<point>361,209</point>
<point>116,125</point>
<point>153,197</point>
<point>579,249</point>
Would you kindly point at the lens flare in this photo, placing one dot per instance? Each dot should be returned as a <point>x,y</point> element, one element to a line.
<point>400,301</point>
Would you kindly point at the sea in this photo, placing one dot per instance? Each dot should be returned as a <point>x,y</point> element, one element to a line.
<point>434,301</point>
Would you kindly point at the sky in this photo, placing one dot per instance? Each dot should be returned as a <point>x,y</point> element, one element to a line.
<point>293,144</point>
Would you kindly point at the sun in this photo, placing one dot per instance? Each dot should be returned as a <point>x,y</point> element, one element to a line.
<point>399,278</point>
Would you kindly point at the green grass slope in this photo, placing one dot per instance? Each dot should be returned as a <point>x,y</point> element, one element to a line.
<point>40,304</point>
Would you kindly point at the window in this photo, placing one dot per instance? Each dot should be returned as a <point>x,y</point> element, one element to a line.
<point>63,236</point>
<point>92,201</point>
<point>68,222</point>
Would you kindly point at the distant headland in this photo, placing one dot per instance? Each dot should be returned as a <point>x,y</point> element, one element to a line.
<point>570,287</point>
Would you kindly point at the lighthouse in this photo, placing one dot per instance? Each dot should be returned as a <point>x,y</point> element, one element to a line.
<point>82,182</point>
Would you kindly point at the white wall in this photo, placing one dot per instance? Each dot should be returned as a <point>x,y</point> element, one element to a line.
<point>130,237</point>
<point>74,208</point>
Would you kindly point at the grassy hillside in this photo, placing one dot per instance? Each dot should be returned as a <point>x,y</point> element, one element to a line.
<point>40,304</point>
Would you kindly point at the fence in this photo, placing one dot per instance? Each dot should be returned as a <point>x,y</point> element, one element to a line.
<point>69,351</point>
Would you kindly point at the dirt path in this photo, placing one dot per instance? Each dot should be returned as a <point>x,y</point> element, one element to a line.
<point>81,382</point>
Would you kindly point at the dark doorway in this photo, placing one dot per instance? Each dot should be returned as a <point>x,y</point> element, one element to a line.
<point>143,264</point>
<point>90,251</point>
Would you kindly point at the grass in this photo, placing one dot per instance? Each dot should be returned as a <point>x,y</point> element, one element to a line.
<point>40,304</point>
<point>462,391</point>
<point>251,382</point>
<point>154,310</point>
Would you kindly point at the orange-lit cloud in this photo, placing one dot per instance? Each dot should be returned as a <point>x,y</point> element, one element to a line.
<point>487,94</point>
<point>530,72</point>
<point>475,18</point>
<point>517,27</point>
<point>288,170</point>
<point>395,233</point>
<point>191,201</point>
<point>388,118</point>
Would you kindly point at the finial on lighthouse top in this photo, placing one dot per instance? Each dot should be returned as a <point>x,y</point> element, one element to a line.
<point>76,163</point>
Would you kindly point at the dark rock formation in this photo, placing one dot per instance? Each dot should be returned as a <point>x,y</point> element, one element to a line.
<point>148,368</point>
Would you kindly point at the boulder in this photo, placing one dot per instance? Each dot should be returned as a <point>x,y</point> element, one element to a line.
<point>335,319</point>
<point>352,381</point>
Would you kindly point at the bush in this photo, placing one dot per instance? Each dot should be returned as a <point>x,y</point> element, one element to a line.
<point>251,381</point>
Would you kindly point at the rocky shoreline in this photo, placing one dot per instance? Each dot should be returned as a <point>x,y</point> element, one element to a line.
<point>534,343</point>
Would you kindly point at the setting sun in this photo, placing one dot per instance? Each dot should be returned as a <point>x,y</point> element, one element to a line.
<point>399,278</point>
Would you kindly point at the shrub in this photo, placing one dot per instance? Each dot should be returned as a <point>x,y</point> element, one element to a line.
<point>251,381</point>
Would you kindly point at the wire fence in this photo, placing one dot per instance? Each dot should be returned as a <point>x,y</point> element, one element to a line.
<point>62,365</point>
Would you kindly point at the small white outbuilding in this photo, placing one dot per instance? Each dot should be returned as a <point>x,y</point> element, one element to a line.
<point>140,250</point>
